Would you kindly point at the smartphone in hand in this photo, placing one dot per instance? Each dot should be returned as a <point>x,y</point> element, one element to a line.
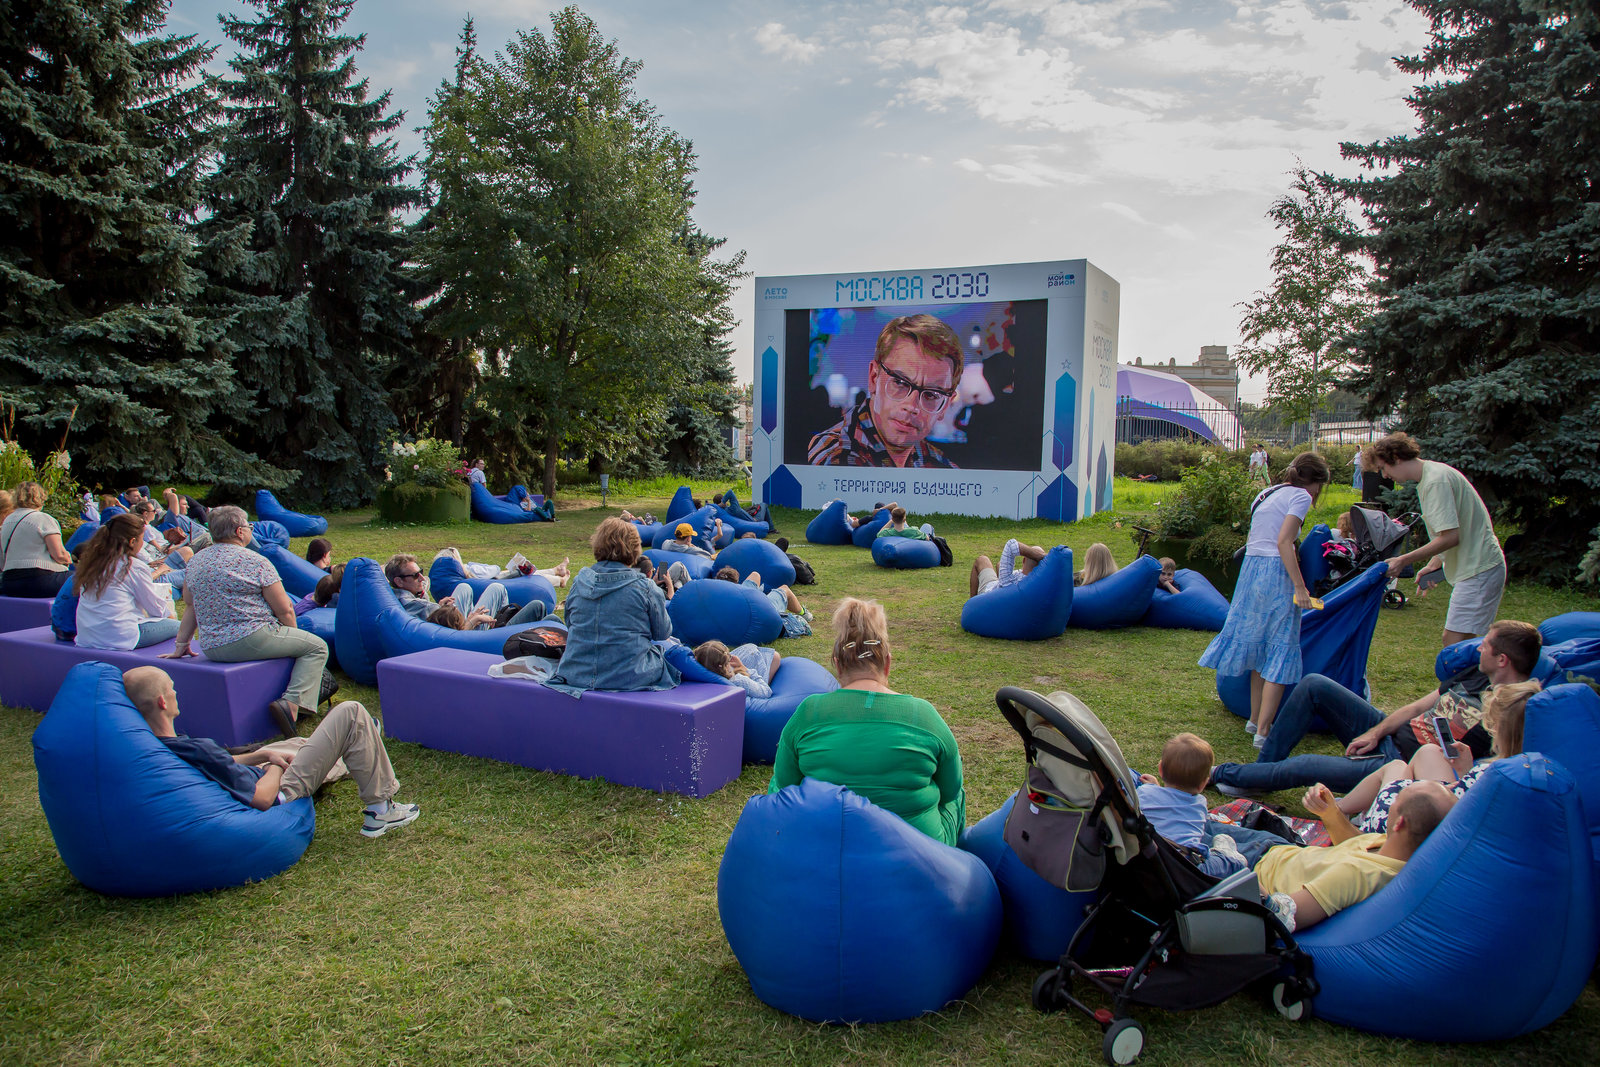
<point>1447,741</point>
<point>1429,580</point>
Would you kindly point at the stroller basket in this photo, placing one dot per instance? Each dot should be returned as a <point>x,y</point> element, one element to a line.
<point>1163,933</point>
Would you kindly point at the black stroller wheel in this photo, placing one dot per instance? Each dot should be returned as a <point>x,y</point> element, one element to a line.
<point>1123,1043</point>
<point>1289,1000</point>
<point>1051,989</point>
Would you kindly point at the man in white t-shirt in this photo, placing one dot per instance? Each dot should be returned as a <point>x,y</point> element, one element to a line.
<point>1461,533</point>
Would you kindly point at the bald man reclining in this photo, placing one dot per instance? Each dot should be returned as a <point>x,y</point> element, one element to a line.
<point>269,776</point>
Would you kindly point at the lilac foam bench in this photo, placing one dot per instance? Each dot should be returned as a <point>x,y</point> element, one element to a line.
<point>226,702</point>
<point>23,612</point>
<point>686,740</point>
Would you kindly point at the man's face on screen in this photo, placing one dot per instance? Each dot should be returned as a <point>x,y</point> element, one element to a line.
<point>902,423</point>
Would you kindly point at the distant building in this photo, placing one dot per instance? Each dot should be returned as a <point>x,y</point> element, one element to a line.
<point>1213,374</point>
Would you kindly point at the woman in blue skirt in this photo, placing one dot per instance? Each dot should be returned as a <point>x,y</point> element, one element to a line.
<point>1262,634</point>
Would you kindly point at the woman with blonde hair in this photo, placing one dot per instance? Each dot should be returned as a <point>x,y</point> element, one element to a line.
<point>1098,563</point>
<point>891,748</point>
<point>1504,713</point>
<point>33,562</point>
<point>614,616</point>
<point>120,606</point>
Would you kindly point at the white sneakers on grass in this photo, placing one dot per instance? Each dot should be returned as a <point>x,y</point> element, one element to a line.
<point>379,819</point>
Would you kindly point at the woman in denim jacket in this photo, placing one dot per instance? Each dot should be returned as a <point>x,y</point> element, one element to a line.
<point>613,615</point>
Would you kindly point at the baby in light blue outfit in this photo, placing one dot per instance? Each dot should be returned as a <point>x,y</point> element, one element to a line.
<point>1177,809</point>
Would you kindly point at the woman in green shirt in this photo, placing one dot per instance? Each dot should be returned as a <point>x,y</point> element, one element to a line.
<point>890,748</point>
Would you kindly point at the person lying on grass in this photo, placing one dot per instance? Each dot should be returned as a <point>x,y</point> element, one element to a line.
<point>1305,884</point>
<point>286,772</point>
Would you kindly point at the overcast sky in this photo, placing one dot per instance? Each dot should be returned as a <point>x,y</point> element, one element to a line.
<point>1149,137</point>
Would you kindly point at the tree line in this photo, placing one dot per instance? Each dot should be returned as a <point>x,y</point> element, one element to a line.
<point>1467,299</point>
<point>236,278</point>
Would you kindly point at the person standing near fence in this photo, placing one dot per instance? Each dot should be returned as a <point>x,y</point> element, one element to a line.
<point>1461,535</point>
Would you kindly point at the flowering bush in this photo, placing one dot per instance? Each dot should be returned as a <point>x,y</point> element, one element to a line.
<point>54,474</point>
<point>427,461</point>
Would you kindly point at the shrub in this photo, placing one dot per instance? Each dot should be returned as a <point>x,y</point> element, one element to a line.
<point>1218,544</point>
<point>54,474</point>
<point>427,461</point>
<point>1212,493</point>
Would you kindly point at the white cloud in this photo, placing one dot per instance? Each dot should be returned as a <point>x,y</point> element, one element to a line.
<point>775,41</point>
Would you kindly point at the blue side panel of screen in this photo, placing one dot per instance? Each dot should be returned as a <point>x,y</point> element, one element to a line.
<point>769,396</point>
<point>782,489</point>
<point>1059,501</point>
<point>1065,424</point>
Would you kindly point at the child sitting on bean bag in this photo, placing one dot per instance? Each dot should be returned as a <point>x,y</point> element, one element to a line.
<point>750,667</point>
<point>1169,575</point>
<point>1097,564</point>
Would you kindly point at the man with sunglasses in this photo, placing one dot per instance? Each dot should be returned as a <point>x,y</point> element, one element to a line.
<point>410,584</point>
<point>911,380</point>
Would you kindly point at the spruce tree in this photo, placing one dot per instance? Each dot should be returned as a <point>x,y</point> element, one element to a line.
<point>105,345</point>
<point>1484,230</point>
<point>310,184</point>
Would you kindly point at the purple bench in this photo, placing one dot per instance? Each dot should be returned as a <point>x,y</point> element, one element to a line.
<point>685,740</point>
<point>226,702</point>
<point>24,613</point>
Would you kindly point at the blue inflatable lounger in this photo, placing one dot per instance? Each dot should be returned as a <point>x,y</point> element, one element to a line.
<point>226,702</point>
<point>842,912</point>
<point>764,717</point>
<point>130,818</point>
<point>1033,609</point>
<point>298,524</point>
<point>682,740</point>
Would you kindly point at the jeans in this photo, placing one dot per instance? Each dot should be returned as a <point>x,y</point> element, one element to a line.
<point>1253,843</point>
<point>155,631</point>
<point>494,600</point>
<point>273,641</point>
<point>1345,713</point>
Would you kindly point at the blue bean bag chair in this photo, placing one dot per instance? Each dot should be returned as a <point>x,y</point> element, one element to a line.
<point>123,496</point>
<point>444,574</point>
<point>1516,852</point>
<point>1040,918</point>
<point>1314,566</point>
<point>1570,626</point>
<point>904,553</point>
<point>682,504</point>
<point>1453,659</point>
<point>831,526</point>
<point>697,566</point>
<point>1564,723</point>
<point>1033,609</point>
<point>503,510</point>
<point>298,525</point>
<point>864,534</point>
<point>763,557</point>
<point>741,524</point>
<point>764,717</point>
<point>81,536</point>
<point>840,912</point>
<point>1334,641</point>
<point>713,610</point>
<point>64,611</point>
<point>648,531</point>
<point>370,625</point>
<point>701,521</point>
<point>323,622</point>
<point>270,531</point>
<point>1195,606</point>
<point>731,509</point>
<point>131,819</point>
<point>1117,600</point>
<point>300,576</point>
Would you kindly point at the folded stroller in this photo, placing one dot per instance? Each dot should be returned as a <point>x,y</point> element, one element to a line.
<point>1163,933</point>
<point>1377,537</point>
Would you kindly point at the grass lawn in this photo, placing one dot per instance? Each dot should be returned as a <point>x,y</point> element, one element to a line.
<point>528,918</point>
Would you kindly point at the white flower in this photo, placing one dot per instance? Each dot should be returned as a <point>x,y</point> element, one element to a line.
<point>63,459</point>
<point>395,448</point>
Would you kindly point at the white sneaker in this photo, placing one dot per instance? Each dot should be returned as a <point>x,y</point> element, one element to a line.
<point>376,822</point>
<point>1258,741</point>
<point>1249,727</point>
<point>1224,844</point>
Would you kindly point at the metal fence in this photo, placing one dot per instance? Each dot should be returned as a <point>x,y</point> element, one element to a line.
<point>1236,426</point>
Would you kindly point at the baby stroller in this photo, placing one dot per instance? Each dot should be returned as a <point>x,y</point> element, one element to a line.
<point>1163,933</point>
<point>1377,537</point>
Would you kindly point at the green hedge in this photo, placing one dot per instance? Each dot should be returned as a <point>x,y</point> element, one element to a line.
<point>1167,459</point>
<point>425,504</point>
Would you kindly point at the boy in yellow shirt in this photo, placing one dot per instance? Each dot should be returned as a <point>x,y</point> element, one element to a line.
<point>1305,885</point>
